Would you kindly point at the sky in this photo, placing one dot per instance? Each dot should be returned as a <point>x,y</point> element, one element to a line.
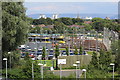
<point>71,0</point>
<point>110,7</point>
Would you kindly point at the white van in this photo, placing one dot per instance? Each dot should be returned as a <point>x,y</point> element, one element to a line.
<point>21,46</point>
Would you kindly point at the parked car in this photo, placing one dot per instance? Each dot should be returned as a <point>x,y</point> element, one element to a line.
<point>85,53</point>
<point>22,55</point>
<point>21,46</point>
<point>39,57</point>
<point>50,56</point>
<point>64,54</point>
<point>31,55</point>
<point>71,54</point>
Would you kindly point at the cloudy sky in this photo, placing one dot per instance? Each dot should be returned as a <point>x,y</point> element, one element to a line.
<point>110,7</point>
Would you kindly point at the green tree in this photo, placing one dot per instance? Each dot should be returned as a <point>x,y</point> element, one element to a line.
<point>117,58</point>
<point>15,58</point>
<point>49,21</point>
<point>81,50</point>
<point>87,27</point>
<point>67,51</point>
<point>76,51</point>
<point>66,20</point>
<point>59,27</point>
<point>43,53</point>
<point>26,56</point>
<point>94,60</point>
<point>27,67</point>
<point>98,24</point>
<point>114,47</point>
<point>15,25</point>
<point>77,21</point>
<point>104,60</point>
<point>57,52</point>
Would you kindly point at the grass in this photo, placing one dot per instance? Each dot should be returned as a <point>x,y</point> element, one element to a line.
<point>49,63</point>
<point>90,52</point>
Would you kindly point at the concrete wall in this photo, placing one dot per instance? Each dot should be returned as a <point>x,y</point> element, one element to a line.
<point>109,37</point>
<point>70,60</point>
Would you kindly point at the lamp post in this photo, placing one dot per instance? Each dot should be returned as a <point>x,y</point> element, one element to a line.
<point>78,65</point>
<point>76,69</point>
<point>5,59</point>
<point>112,64</point>
<point>32,71</point>
<point>10,59</point>
<point>35,53</point>
<point>84,70</point>
<point>69,45</point>
<point>41,71</point>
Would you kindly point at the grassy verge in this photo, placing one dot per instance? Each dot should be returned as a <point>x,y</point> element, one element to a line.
<point>90,52</point>
<point>49,63</point>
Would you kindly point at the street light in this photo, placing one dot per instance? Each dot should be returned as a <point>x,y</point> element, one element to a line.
<point>76,69</point>
<point>35,53</point>
<point>84,70</point>
<point>112,64</point>
<point>10,59</point>
<point>41,66</point>
<point>78,64</point>
<point>32,71</point>
<point>5,59</point>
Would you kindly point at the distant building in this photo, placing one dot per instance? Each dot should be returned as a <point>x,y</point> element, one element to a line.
<point>55,16</point>
<point>88,18</point>
<point>87,22</point>
<point>42,16</point>
<point>77,26</point>
<point>78,16</point>
<point>41,25</point>
<point>108,18</point>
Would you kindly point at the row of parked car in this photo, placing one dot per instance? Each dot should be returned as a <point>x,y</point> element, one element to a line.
<point>37,54</point>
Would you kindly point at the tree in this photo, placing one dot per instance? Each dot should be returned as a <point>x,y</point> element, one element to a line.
<point>81,50</point>
<point>56,55</point>
<point>49,21</point>
<point>26,68</point>
<point>15,58</point>
<point>59,27</point>
<point>104,60</point>
<point>87,27</point>
<point>94,60</point>
<point>98,24</point>
<point>76,51</point>
<point>117,58</point>
<point>66,20</point>
<point>43,53</point>
<point>15,25</point>
<point>77,21</point>
<point>114,47</point>
<point>67,51</point>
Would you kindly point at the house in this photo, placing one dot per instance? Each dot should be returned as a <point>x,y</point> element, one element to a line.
<point>77,26</point>
<point>87,22</point>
